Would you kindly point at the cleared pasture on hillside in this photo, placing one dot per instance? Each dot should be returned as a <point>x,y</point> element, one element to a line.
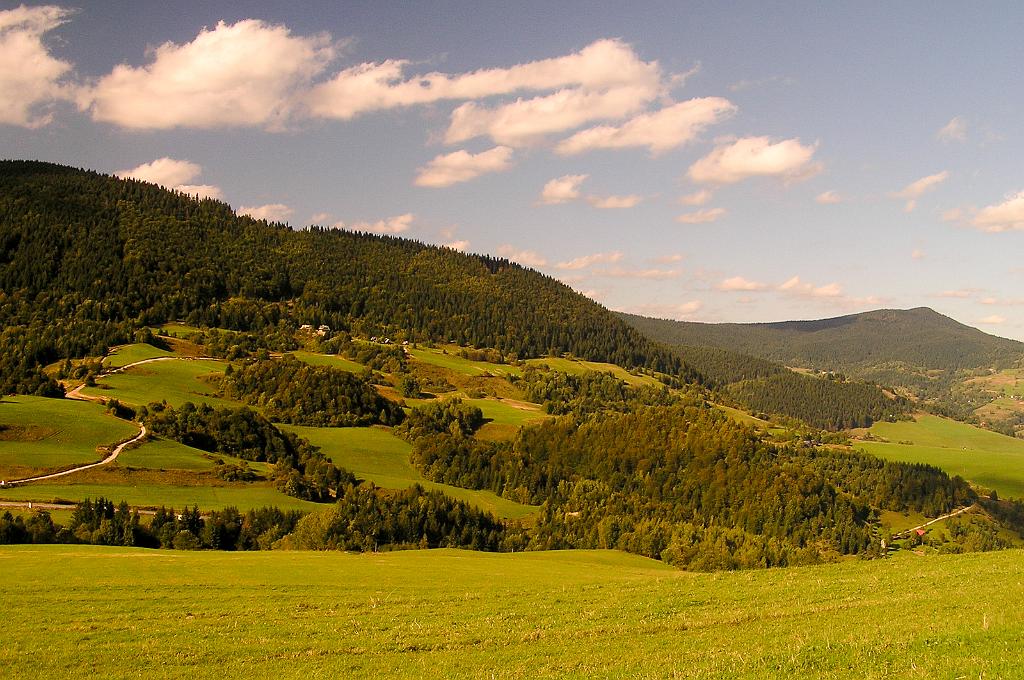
<point>41,433</point>
<point>374,454</point>
<point>987,458</point>
<point>449,359</point>
<point>122,612</point>
<point>175,381</point>
<point>152,494</point>
<point>129,354</point>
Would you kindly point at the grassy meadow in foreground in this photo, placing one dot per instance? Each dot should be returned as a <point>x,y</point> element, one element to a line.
<point>122,612</point>
<point>987,458</point>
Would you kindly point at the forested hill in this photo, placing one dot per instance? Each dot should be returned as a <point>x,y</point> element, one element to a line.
<point>86,258</point>
<point>914,338</point>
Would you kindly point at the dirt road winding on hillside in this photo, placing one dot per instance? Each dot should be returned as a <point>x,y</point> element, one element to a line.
<point>106,461</point>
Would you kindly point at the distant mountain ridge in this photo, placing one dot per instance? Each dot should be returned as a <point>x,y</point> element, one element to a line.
<point>858,344</point>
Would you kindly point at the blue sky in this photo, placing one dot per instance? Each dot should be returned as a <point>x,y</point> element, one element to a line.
<point>703,161</point>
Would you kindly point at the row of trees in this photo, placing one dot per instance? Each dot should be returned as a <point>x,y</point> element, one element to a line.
<point>291,391</point>
<point>300,469</point>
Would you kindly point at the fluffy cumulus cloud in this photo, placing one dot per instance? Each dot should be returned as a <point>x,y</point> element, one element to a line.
<point>461,245</point>
<point>562,189</point>
<point>602,65</point>
<point>918,188</point>
<point>799,287</point>
<point>391,225</point>
<point>740,284</point>
<point>250,73</point>
<point>701,216</point>
<point>659,131</point>
<point>1005,216</point>
<point>992,320</point>
<point>31,79</point>
<point>527,121</point>
<point>828,198</point>
<point>589,260</point>
<point>174,174</point>
<point>527,258</point>
<point>615,202</point>
<point>271,212</point>
<point>461,166</point>
<point>755,157</point>
<point>686,310</point>
<point>953,131</point>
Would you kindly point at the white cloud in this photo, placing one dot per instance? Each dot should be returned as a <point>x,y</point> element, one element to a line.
<point>588,260</point>
<point>461,245</point>
<point>375,86</point>
<point>562,189</point>
<point>917,254</point>
<point>391,225</point>
<point>697,198</point>
<point>739,283</point>
<point>461,166</point>
<point>992,320</point>
<point>1005,216</point>
<point>953,131</point>
<point>30,77</point>
<point>680,312</point>
<point>755,157</point>
<point>527,258</point>
<point>201,191</point>
<point>321,218</point>
<point>798,287</point>
<point>173,174</point>
<point>668,259</point>
<point>989,301</point>
<point>659,131</point>
<point>615,202</point>
<point>526,121</point>
<point>701,216</point>
<point>250,73</point>
<point>828,198</point>
<point>169,172</point>
<point>959,294</point>
<point>271,212</point>
<point>918,188</point>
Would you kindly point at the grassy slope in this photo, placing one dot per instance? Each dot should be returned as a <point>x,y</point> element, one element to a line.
<point>377,455</point>
<point>449,360</point>
<point>987,458</point>
<point>129,354</point>
<point>120,612</point>
<point>55,433</point>
<point>174,381</point>
<point>165,454</point>
<point>148,493</point>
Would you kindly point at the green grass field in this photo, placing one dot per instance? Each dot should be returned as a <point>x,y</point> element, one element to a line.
<point>376,455</point>
<point>165,454</point>
<point>741,417</point>
<point>149,494</point>
<point>580,367</point>
<point>55,433</point>
<point>129,354</point>
<point>506,414</point>
<point>314,359</point>
<point>457,364</point>
<point>983,457</point>
<point>175,381</point>
<point>86,612</point>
